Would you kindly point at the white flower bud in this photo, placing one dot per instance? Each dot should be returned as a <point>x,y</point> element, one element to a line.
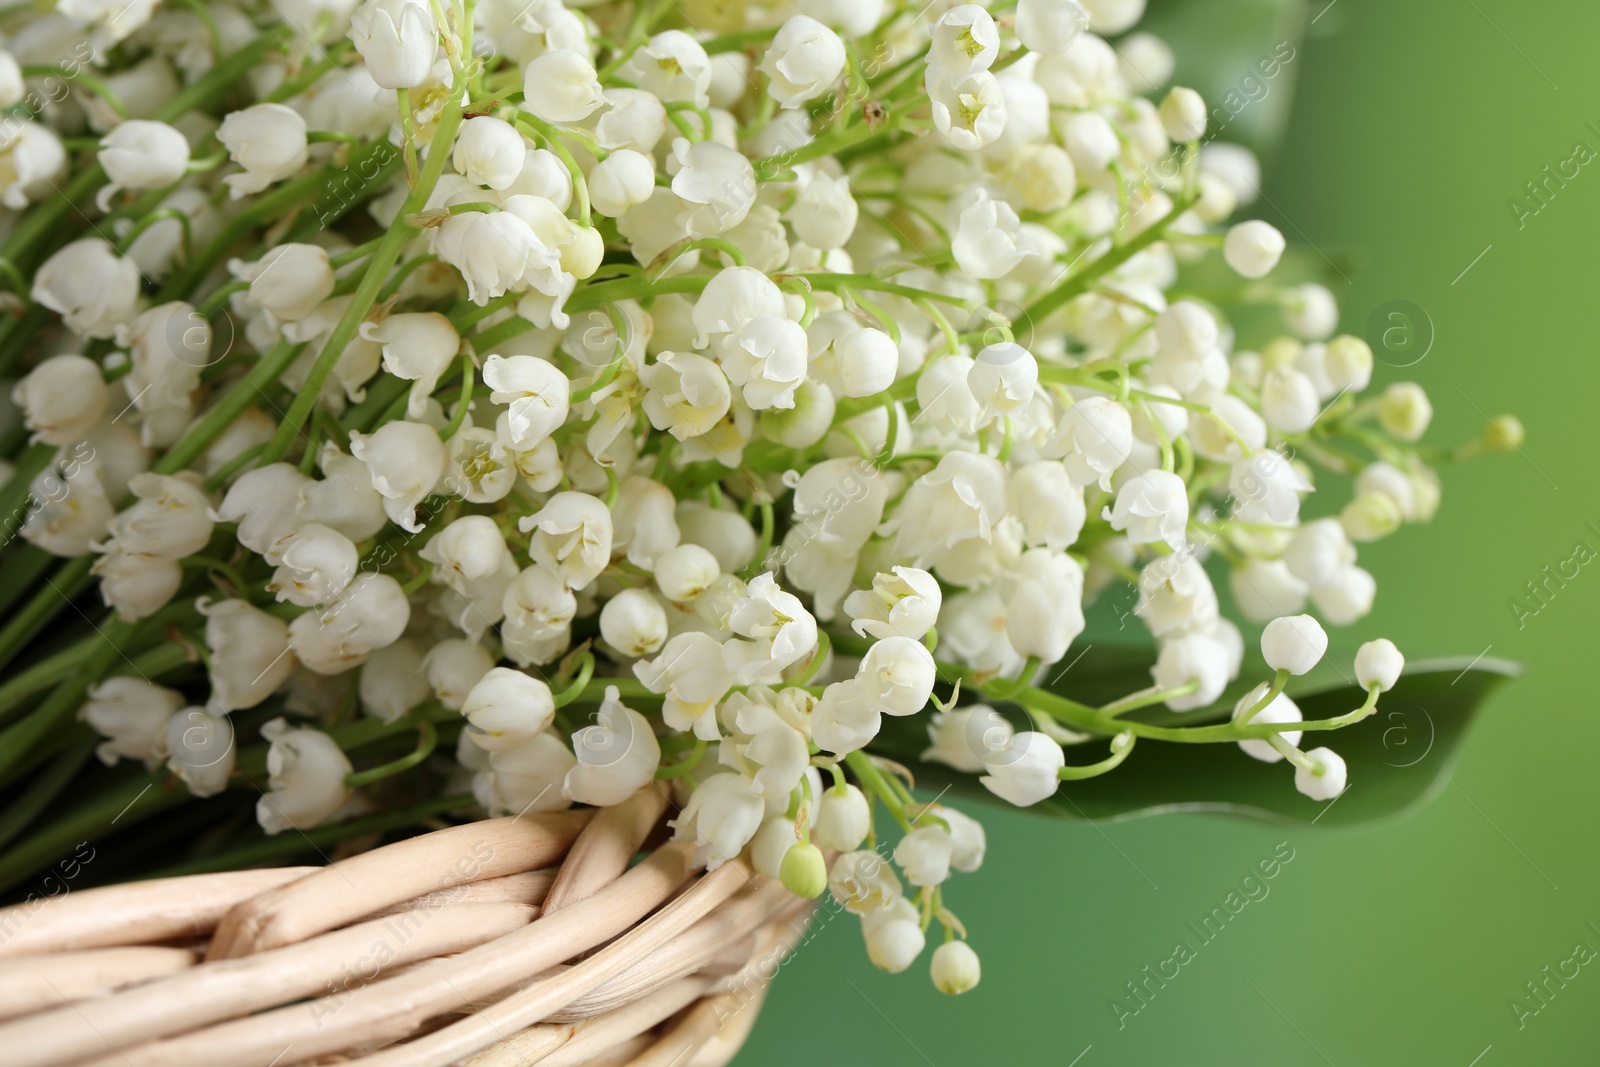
<point>671,66</point>
<point>141,155</point>
<point>894,935</point>
<point>633,121</point>
<point>924,854</point>
<point>1253,248</point>
<point>863,882</point>
<point>903,602</point>
<point>620,181</point>
<point>469,548</point>
<point>571,536</point>
<point>288,282</point>
<point>1049,27</point>
<point>688,394</point>
<point>804,61</point>
<point>32,158</point>
<point>61,399</point>
<point>961,738</point>
<point>90,286</point>
<point>1310,312</point>
<point>1192,658</point>
<point>1042,177</point>
<point>898,674</point>
<point>970,110</point>
<point>1282,709</point>
<point>526,778</point>
<point>617,756</point>
<point>12,87</point>
<point>844,818</point>
<point>720,180</point>
<point>847,717</point>
<point>136,586</point>
<point>131,714</point>
<point>965,40</point>
<point>868,362</point>
<point>1348,364</point>
<point>1050,508</point>
<point>1265,589</point>
<point>536,394</point>
<point>824,215</point>
<point>264,504</point>
<point>394,680</point>
<point>1152,507</point>
<point>1404,410</point>
<point>170,521</point>
<point>1371,516</point>
<point>453,667</point>
<point>1379,663</point>
<point>1003,378</point>
<point>1294,643</point>
<point>1093,438</point>
<point>1346,596</point>
<point>1319,551</point>
<point>721,817</point>
<point>306,770</point>
<point>398,41</point>
<point>1183,115</point>
<point>1025,771</point>
<point>201,750</point>
<point>634,623</point>
<point>316,563</point>
<point>405,460</point>
<point>1328,780</point>
<point>268,141</point>
<point>1289,400</point>
<point>250,655</point>
<point>985,244</point>
<point>561,86</point>
<point>955,966</point>
<point>683,573</point>
<point>489,151</point>
<point>370,613</point>
<point>507,708</point>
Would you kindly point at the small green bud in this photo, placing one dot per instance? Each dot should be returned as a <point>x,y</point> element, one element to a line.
<point>803,872</point>
<point>1504,434</point>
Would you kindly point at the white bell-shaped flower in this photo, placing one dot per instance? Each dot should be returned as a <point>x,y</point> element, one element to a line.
<point>688,394</point>
<point>571,536</point>
<point>961,498</point>
<point>1049,27</point>
<point>370,613</point>
<point>90,286</point>
<point>1379,663</point>
<point>1094,438</point>
<point>1293,643</point>
<point>268,141</point>
<point>903,602</point>
<point>894,935</point>
<point>965,40</point>
<point>171,519</point>
<point>316,563</point>
<point>1253,248</point>
<point>453,668</point>
<point>288,282</point>
<point>393,681</point>
<point>955,966</point>
<point>1044,613</point>
<point>250,656</point>
<point>924,854</point>
<point>536,393</point>
<point>405,460</point>
<point>507,708</point>
<point>844,818</point>
<point>718,180</point>
<point>778,628</point>
<point>969,110</point>
<point>398,41</point>
<point>32,159</point>
<point>963,737</point>
<point>869,362</point>
<point>721,817</point>
<point>134,585</point>
<point>1003,378</point>
<point>1026,770</point>
<point>1183,114</point>
<point>306,779</point>
<point>131,714</point>
<point>683,573</point>
<point>489,151</point>
<point>617,756</point>
<point>622,180</point>
<point>562,86</point>
<point>634,623</point>
<point>1176,596</point>
<point>1152,507</point>
<point>863,882</point>
<point>200,748</point>
<point>634,120</point>
<point>1327,780</point>
<point>804,61</point>
<point>526,778</point>
<point>61,399</point>
<point>139,154</point>
<point>417,346</point>
<point>690,673</point>
<point>1192,658</point>
<point>264,503</point>
<point>767,359</point>
<point>671,66</point>
<point>493,250</point>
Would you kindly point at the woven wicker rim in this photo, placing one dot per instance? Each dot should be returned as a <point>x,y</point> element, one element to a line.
<point>459,946</point>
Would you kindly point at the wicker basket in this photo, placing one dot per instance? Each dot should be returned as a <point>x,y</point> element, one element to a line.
<point>461,946</point>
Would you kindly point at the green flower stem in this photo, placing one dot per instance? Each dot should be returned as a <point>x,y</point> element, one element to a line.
<point>373,276</point>
<point>1079,283</point>
<point>552,138</point>
<point>867,774</point>
<point>44,789</point>
<point>70,580</point>
<point>463,403</point>
<point>268,369</point>
<point>20,570</point>
<point>427,741</point>
<point>687,765</point>
<point>1121,745</point>
<point>140,798</point>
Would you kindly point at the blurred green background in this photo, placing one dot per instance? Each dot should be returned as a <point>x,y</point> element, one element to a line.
<point>1412,128</point>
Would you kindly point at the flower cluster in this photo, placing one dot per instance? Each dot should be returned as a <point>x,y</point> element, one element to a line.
<point>666,399</point>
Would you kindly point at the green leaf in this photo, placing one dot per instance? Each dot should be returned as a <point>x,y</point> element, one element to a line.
<point>1398,759</point>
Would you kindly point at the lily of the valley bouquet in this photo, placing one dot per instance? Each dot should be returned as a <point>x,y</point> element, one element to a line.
<point>473,410</point>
